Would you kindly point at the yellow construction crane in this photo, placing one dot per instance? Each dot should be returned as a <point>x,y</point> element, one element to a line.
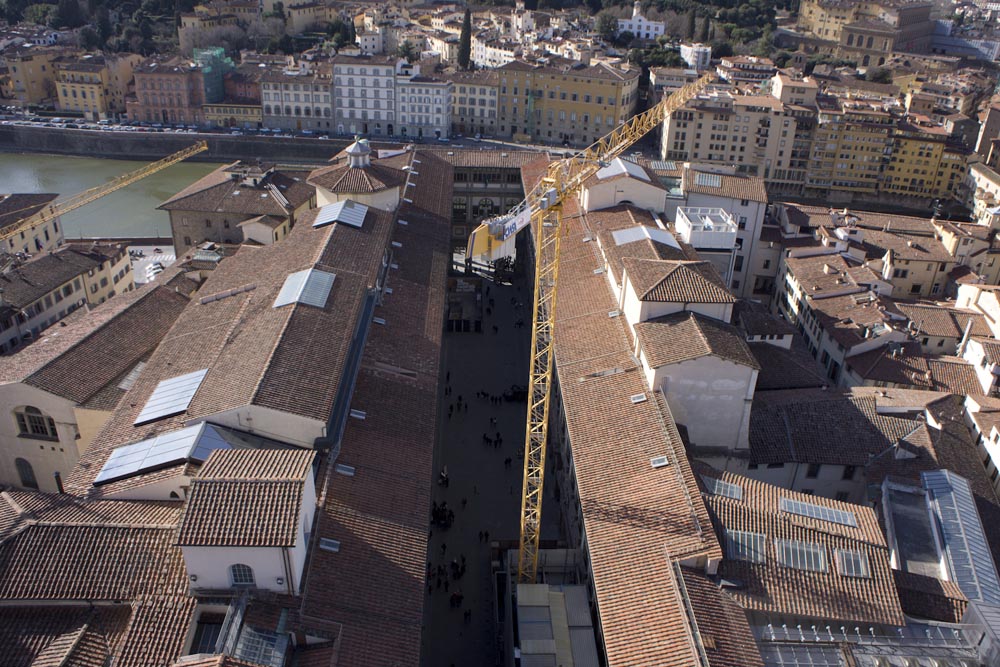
<point>542,208</point>
<point>87,196</point>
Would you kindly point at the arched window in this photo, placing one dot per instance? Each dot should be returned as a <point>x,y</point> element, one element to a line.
<point>33,423</point>
<point>26,473</point>
<point>241,575</point>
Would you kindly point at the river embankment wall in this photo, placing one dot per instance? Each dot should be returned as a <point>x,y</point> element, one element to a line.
<point>155,145</point>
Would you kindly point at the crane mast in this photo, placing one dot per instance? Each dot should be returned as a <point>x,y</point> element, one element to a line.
<point>542,209</point>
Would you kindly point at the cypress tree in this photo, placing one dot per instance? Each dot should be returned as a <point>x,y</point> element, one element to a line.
<point>465,41</point>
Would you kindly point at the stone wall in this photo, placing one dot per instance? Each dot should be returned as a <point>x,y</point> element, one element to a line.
<point>156,145</point>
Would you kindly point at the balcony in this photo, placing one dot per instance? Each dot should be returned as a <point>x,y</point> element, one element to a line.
<point>706,228</point>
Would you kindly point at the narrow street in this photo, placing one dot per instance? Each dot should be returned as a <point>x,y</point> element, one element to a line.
<point>485,465</point>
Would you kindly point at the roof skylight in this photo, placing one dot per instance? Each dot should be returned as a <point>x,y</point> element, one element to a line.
<point>852,563</point>
<point>820,512</point>
<point>310,287</point>
<point>718,487</point>
<point>801,555</point>
<point>346,212</point>
<point>193,443</point>
<point>741,545</point>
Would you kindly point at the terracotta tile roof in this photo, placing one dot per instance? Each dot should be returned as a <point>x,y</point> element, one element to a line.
<point>822,216</point>
<point>755,320</point>
<point>786,369</point>
<point>606,221</point>
<point>66,549</point>
<point>32,280</point>
<point>82,636</point>
<point>910,369</point>
<point>734,187</point>
<point>80,359</point>
<point>345,179</point>
<point>805,426</point>
<point>676,281</point>
<point>684,336</point>
<point>16,207</point>
<point>379,514</point>
<point>771,587</point>
<point>512,158</point>
<point>903,246</point>
<point>992,349</point>
<point>246,498</point>
<point>634,515</point>
<point>288,359</point>
<point>722,623</point>
<point>934,320</point>
<point>221,192</point>
<point>930,597</point>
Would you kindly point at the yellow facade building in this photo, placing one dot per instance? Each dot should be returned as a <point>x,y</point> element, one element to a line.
<point>922,163</point>
<point>852,141</point>
<point>93,84</point>
<point>33,74</point>
<point>232,114</point>
<point>565,101</point>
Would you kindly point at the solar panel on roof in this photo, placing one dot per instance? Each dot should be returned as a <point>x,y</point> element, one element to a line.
<point>171,397</point>
<point>964,540</point>
<point>347,212</point>
<point>193,443</point>
<point>311,287</point>
<point>718,487</point>
<point>708,180</point>
<point>820,512</point>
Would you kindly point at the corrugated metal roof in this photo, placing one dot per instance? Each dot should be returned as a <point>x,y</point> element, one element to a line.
<point>962,534</point>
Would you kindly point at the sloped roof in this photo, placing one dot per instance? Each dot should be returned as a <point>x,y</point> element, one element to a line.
<point>246,498</point>
<point>786,369</point>
<point>289,359</point>
<point>222,191</point>
<point>83,354</point>
<point>676,281</point>
<point>636,516</point>
<point>679,337</point>
<point>345,179</point>
<point>16,207</point>
<point>774,588</point>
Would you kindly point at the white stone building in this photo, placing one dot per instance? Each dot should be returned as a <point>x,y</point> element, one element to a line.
<point>640,26</point>
<point>364,93</point>
<point>423,104</point>
<point>697,56</point>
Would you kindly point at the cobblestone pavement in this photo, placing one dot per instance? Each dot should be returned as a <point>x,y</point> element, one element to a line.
<point>484,488</point>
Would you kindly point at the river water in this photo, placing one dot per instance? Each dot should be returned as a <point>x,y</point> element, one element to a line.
<point>127,212</point>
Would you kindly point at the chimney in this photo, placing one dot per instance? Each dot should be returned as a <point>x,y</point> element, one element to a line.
<point>59,484</point>
<point>965,338</point>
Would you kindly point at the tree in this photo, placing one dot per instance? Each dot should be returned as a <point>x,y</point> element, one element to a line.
<point>692,23</point>
<point>703,35</point>
<point>465,41</point>
<point>879,75</point>
<point>38,14</point>
<point>606,26</point>
<point>104,30</point>
<point>408,51</point>
<point>89,39</point>
<point>67,15</point>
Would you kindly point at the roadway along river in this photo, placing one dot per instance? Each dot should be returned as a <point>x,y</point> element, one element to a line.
<point>128,212</point>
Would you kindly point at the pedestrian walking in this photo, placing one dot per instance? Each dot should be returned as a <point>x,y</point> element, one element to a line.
<point>444,548</point>
<point>464,501</point>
